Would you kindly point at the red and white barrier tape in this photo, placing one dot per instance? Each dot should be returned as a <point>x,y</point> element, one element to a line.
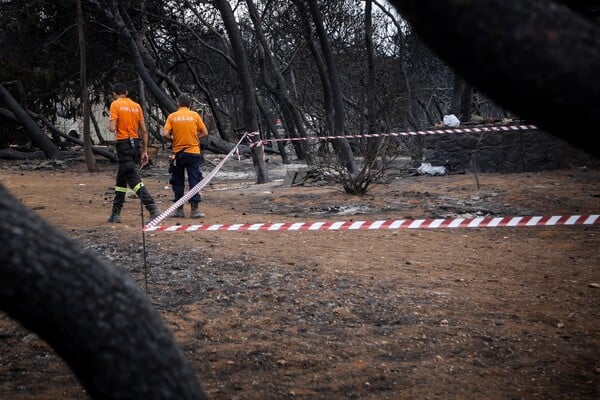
<point>254,138</point>
<point>495,128</point>
<point>198,187</point>
<point>480,222</point>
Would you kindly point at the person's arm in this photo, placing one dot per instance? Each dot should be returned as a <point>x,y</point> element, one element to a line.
<point>112,125</point>
<point>167,135</point>
<point>167,131</point>
<point>144,135</point>
<point>202,133</point>
<point>112,121</point>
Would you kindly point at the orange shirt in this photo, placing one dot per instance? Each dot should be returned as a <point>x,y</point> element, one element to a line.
<point>185,125</point>
<point>128,115</point>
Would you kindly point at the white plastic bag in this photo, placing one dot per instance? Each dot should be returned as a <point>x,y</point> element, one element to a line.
<point>451,121</point>
<point>427,169</point>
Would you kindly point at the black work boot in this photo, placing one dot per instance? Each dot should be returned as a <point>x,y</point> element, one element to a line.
<point>154,211</point>
<point>178,213</point>
<point>195,212</point>
<point>148,202</point>
<point>115,217</point>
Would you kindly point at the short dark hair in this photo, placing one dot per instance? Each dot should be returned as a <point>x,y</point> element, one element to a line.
<point>119,88</point>
<point>184,100</point>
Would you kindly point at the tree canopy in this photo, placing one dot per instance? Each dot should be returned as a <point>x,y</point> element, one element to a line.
<point>308,60</point>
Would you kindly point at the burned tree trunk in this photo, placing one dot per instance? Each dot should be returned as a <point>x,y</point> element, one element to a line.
<point>113,15</point>
<point>537,58</point>
<point>341,146</point>
<point>249,107</point>
<point>57,132</point>
<point>460,104</point>
<point>37,136</point>
<point>91,313</point>
<point>85,97</point>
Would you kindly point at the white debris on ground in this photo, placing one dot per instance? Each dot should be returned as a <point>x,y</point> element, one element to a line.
<point>428,169</point>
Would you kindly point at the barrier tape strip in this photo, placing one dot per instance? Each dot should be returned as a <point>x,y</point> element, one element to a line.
<point>254,138</point>
<point>498,128</point>
<point>258,143</point>
<point>199,186</point>
<point>479,222</point>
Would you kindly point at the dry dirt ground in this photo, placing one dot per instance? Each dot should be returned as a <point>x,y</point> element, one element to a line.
<point>473,313</point>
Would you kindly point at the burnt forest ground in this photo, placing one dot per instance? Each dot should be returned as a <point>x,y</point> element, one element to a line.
<point>455,313</point>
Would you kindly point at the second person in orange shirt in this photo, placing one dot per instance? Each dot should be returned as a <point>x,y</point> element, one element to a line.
<point>185,128</point>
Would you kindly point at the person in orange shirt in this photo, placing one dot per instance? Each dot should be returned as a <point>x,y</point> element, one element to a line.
<point>185,128</point>
<point>127,123</point>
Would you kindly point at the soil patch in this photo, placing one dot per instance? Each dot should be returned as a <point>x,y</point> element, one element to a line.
<point>480,313</point>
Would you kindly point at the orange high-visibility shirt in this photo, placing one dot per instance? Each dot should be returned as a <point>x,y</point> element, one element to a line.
<point>128,115</point>
<point>185,124</point>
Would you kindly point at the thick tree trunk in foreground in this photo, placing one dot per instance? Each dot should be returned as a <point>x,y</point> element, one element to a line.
<point>91,313</point>
<point>537,58</point>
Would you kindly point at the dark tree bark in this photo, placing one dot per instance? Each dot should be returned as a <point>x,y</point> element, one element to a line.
<point>11,154</point>
<point>113,15</point>
<point>90,160</point>
<point>339,117</point>
<point>164,101</point>
<point>372,107</point>
<point>210,99</point>
<point>537,58</point>
<point>460,104</point>
<point>6,114</point>
<point>97,129</point>
<point>92,314</point>
<point>279,88</point>
<point>57,132</point>
<point>466,103</point>
<point>319,65</point>
<point>273,129</point>
<point>37,136</point>
<point>217,145</point>
<point>247,85</point>
<point>371,82</point>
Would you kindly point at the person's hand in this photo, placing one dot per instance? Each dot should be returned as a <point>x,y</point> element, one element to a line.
<point>144,158</point>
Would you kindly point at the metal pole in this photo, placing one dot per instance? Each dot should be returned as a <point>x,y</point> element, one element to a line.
<point>144,248</point>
